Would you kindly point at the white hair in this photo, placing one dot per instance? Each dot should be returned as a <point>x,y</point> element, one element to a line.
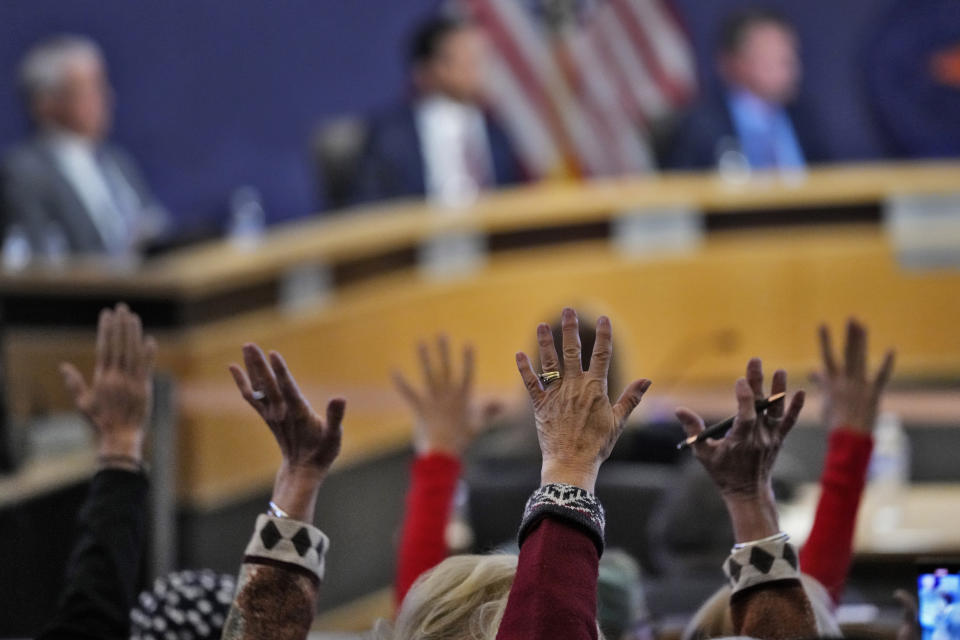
<point>43,67</point>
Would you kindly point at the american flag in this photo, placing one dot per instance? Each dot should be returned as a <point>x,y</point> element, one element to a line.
<point>577,82</point>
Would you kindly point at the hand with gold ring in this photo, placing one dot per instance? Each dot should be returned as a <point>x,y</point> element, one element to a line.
<point>576,425</point>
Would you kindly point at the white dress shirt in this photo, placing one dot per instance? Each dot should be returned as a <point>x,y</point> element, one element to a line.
<point>110,201</point>
<point>456,152</point>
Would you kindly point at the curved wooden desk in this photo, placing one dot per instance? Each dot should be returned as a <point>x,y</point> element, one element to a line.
<point>687,320</point>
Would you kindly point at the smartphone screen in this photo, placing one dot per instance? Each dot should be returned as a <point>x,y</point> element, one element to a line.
<point>938,593</point>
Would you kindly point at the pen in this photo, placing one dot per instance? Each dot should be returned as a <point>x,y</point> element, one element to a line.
<point>720,429</point>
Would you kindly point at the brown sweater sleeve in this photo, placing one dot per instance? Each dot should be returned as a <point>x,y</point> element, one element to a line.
<point>279,582</point>
<point>776,610</point>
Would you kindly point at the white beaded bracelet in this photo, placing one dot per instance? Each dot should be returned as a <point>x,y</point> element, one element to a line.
<point>276,511</point>
<point>777,537</point>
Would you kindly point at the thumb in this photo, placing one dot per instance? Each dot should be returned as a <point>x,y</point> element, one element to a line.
<point>629,400</point>
<point>73,381</point>
<point>692,423</point>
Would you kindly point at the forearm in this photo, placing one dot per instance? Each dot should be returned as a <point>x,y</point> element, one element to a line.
<point>554,594</point>
<point>104,566</point>
<point>829,548</point>
<point>429,503</point>
<point>753,517</point>
<point>279,581</point>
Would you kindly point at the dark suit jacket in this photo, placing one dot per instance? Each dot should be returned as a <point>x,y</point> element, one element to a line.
<point>392,161</point>
<point>35,192</point>
<point>699,132</point>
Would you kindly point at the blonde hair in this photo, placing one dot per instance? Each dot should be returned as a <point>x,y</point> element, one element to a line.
<point>462,598</point>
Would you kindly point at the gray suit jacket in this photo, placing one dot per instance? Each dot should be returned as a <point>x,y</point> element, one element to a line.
<point>35,192</point>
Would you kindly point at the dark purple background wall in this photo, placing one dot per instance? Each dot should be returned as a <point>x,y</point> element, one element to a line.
<point>213,94</point>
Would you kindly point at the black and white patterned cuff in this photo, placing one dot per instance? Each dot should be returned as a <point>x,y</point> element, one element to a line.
<point>294,544</point>
<point>569,503</point>
<point>765,561</point>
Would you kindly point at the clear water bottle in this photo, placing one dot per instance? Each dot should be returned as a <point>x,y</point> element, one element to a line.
<point>247,218</point>
<point>889,470</point>
<point>17,252</point>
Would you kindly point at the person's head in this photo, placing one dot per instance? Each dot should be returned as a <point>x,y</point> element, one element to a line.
<point>462,598</point>
<point>65,86</point>
<point>759,53</point>
<point>446,58</point>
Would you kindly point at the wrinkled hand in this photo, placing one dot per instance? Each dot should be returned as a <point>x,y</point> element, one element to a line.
<point>117,401</point>
<point>741,463</point>
<point>851,399</point>
<point>447,420</point>
<point>309,444</point>
<point>576,425</point>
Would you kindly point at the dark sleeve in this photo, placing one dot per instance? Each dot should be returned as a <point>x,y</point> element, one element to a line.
<point>694,142</point>
<point>555,592</point>
<point>433,482</point>
<point>375,179</point>
<point>22,204</point>
<point>829,548</point>
<point>102,572</point>
<point>506,163</point>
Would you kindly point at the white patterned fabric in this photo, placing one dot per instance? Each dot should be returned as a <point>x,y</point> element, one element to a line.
<point>290,542</point>
<point>764,562</point>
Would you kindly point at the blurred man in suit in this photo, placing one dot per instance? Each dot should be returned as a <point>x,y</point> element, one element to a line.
<point>760,70</point>
<point>442,144</point>
<point>66,187</point>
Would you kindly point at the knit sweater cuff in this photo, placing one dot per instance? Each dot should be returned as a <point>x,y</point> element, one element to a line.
<point>568,503</point>
<point>289,543</point>
<point>756,564</point>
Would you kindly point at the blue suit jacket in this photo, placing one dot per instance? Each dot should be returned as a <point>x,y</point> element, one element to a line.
<point>392,162</point>
<point>694,145</point>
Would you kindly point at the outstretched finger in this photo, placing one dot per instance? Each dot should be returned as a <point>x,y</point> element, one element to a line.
<point>287,383</point>
<point>530,379</point>
<point>246,389</point>
<point>826,351</point>
<point>118,336</point>
<point>466,382</point>
<point>548,350</point>
<point>336,409</point>
<point>426,366</point>
<point>755,377</point>
<point>779,385</point>
<point>134,346</point>
<point>260,374</point>
<point>746,418</point>
<point>856,350</point>
<point>692,424</point>
<point>602,349</point>
<point>405,390</point>
<point>883,375</point>
<point>104,343</point>
<point>443,347</point>
<point>73,381</point>
<point>629,400</point>
<point>792,414</point>
<point>571,342</point>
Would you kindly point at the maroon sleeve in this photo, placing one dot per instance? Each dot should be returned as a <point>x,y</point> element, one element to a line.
<point>433,481</point>
<point>554,595</point>
<point>828,551</point>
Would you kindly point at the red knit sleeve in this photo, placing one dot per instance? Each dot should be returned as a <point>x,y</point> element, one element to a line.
<point>555,592</point>
<point>828,551</point>
<point>433,481</point>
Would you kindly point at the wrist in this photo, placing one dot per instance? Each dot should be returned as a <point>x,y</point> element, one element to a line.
<point>129,445</point>
<point>295,491</point>
<point>578,475</point>
<point>753,517</point>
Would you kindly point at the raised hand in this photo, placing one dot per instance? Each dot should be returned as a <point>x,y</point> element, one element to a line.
<point>741,463</point>
<point>447,419</point>
<point>117,400</point>
<point>309,444</point>
<point>576,425</point>
<point>851,397</point>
